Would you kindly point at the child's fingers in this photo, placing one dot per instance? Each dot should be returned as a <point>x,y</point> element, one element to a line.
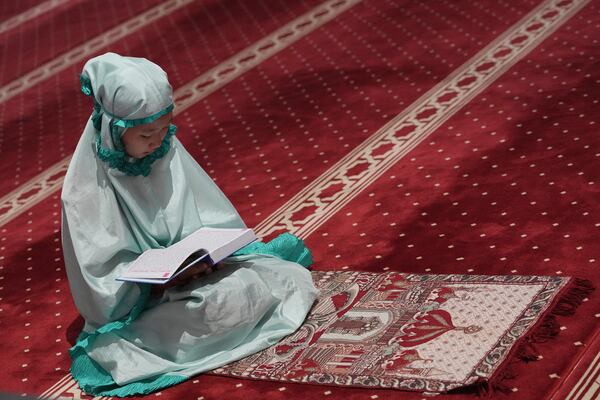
<point>202,267</point>
<point>191,273</point>
<point>214,268</point>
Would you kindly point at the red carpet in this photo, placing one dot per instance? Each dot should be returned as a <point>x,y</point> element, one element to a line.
<point>416,137</point>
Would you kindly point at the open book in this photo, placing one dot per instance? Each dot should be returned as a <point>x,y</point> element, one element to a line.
<point>208,245</point>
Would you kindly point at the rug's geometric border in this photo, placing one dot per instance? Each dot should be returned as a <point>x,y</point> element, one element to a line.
<point>589,386</point>
<point>30,14</point>
<point>88,48</point>
<point>552,289</point>
<point>583,383</point>
<point>217,77</point>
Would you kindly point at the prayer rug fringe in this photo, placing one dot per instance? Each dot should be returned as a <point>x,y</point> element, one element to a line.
<point>546,329</point>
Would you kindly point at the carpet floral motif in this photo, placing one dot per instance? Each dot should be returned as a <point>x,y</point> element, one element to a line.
<point>428,333</point>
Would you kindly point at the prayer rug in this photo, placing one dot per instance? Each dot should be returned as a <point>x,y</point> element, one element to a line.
<point>428,333</point>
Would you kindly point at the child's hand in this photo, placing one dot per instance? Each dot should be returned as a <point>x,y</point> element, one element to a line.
<point>192,273</point>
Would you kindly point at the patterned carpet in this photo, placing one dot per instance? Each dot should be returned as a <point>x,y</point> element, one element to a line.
<point>396,137</point>
<point>427,333</point>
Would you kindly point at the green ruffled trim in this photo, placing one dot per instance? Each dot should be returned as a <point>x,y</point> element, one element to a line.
<point>86,85</point>
<point>120,160</point>
<point>93,379</point>
<point>285,246</point>
<point>116,133</point>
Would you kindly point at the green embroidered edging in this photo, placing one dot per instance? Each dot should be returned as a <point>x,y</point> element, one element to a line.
<point>285,246</point>
<point>118,159</point>
<point>86,85</point>
<point>94,380</point>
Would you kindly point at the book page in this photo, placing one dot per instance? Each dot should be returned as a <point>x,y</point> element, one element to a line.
<point>163,263</point>
<point>156,263</point>
<point>227,247</point>
<point>209,239</point>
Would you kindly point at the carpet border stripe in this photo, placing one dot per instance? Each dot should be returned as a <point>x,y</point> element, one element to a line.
<point>87,49</point>
<point>30,14</point>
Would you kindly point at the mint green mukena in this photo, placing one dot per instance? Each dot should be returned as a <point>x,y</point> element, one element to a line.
<point>115,207</point>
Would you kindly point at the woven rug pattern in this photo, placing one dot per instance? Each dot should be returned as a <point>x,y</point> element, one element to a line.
<point>429,333</point>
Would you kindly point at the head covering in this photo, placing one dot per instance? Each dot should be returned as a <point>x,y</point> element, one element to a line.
<point>127,92</point>
<point>115,207</point>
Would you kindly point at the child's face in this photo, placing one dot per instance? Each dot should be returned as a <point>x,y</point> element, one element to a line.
<point>142,140</point>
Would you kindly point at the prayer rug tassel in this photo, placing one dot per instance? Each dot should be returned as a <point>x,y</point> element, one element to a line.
<point>545,330</point>
<point>573,298</point>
